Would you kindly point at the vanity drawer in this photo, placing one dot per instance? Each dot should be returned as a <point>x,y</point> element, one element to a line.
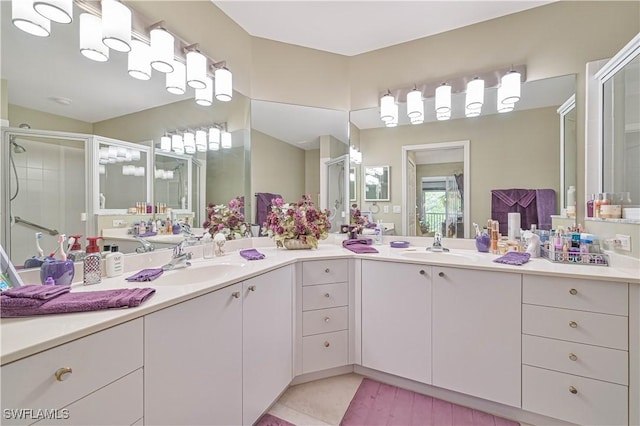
<point>325,271</point>
<point>610,331</point>
<point>324,351</point>
<point>593,403</point>
<point>325,320</point>
<point>96,360</point>
<point>572,293</point>
<point>324,296</point>
<point>595,362</point>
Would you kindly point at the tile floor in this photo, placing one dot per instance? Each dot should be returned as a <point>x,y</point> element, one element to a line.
<point>320,402</point>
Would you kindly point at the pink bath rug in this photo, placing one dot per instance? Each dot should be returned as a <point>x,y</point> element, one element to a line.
<point>270,420</point>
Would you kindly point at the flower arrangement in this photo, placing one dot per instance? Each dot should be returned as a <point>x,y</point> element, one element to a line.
<point>301,220</point>
<point>226,220</point>
<point>357,219</point>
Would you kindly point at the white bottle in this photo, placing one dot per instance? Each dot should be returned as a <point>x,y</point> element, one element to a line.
<point>114,262</point>
<point>378,234</point>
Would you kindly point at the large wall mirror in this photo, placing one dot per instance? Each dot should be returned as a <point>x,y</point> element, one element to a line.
<point>59,93</point>
<point>519,149</point>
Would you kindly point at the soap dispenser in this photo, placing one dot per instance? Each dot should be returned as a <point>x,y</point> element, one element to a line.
<point>76,253</point>
<point>92,266</point>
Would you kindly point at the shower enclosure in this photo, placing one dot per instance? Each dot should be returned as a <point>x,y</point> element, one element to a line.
<point>338,191</point>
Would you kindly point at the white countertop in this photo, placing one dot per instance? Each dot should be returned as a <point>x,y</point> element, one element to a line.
<point>21,337</point>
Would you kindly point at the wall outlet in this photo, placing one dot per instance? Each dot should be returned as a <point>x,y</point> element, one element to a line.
<point>624,242</point>
<point>118,223</point>
<point>385,209</point>
<point>397,209</point>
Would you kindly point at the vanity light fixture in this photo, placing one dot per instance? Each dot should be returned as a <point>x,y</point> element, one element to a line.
<point>196,68</point>
<point>91,45</point>
<point>443,99</point>
<point>510,85</point>
<point>387,103</point>
<point>204,96</point>
<point>25,17</point>
<point>165,143</point>
<point>189,140</point>
<point>226,140</point>
<point>393,122</point>
<point>223,84</point>
<point>116,25</point>
<point>177,145</point>
<point>175,80</point>
<point>161,48</point>
<point>60,11</point>
<point>139,60</point>
<point>201,140</point>
<point>475,94</point>
<point>415,105</point>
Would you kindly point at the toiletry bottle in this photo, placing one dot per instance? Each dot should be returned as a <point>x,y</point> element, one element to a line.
<point>596,206</point>
<point>590,205</point>
<point>378,234</point>
<point>92,266</point>
<point>114,262</point>
<point>168,227</point>
<point>76,253</point>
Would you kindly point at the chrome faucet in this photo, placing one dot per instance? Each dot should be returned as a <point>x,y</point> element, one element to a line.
<point>437,244</point>
<point>179,258</point>
<point>146,245</point>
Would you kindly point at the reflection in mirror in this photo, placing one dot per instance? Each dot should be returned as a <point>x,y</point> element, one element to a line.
<point>376,183</point>
<point>172,182</point>
<point>353,183</point>
<point>122,166</point>
<point>568,151</point>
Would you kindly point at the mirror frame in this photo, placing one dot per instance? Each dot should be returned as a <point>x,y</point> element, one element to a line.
<point>387,170</point>
<point>563,111</point>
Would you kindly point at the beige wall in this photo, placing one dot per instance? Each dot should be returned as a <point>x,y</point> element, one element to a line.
<point>43,120</point>
<point>516,150</point>
<point>225,175</point>
<point>4,100</point>
<point>312,174</point>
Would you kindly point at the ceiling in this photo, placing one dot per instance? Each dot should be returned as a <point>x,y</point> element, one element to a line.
<point>354,27</point>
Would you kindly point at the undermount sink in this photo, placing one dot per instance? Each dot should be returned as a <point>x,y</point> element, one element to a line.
<point>197,274</point>
<point>441,256</point>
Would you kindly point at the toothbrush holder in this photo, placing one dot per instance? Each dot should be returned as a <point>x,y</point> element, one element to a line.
<point>483,243</point>
<point>62,271</point>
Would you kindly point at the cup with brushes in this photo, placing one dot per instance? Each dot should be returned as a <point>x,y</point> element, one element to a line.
<point>57,271</point>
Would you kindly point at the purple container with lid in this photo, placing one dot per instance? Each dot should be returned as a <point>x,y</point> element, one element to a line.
<point>61,271</point>
<point>483,243</point>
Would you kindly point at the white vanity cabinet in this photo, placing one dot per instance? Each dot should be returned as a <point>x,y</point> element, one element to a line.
<point>93,380</point>
<point>396,319</point>
<point>476,333</point>
<point>575,349</point>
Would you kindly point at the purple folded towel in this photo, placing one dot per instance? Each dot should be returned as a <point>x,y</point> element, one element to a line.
<point>148,234</point>
<point>74,302</point>
<point>146,275</point>
<point>251,254</point>
<point>362,245</point>
<point>351,241</point>
<point>38,292</point>
<point>514,258</point>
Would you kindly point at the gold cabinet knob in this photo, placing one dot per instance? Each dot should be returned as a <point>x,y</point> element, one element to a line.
<point>252,288</point>
<point>573,324</point>
<point>235,294</point>
<point>327,295</point>
<point>573,291</point>
<point>573,390</point>
<point>327,270</point>
<point>327,344</point>
<point>573,357</point>
<point>326,319</point>
<point>63,373</point>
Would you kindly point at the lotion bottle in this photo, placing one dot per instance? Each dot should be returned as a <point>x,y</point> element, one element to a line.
<point>114,262</point>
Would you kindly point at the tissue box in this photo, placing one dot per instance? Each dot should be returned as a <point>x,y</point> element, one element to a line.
<point>631,213</point>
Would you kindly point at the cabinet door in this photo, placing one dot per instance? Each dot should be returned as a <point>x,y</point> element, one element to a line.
<point>267,357</point>
<point>396,319</point>
<point>476,333</point>
<point>193,361</point>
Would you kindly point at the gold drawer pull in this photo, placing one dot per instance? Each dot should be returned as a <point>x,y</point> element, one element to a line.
<point>327,270</point>
<point>573,324</point>
<point>326,319</point>
<point>236,294</point>
<point>573,291</point>
<point>62,373</point>
<point>327,295</point>
<point>252,288</point>
<point>327,344</point>
<point>573,357</point>
<point>573,390</point>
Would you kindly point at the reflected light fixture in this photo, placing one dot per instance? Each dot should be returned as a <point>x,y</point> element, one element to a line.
<point>24,16</point>
<point>116,25</point>
<point>415,106</point>
<point>443,99</point>
<point>204,96</point>
<point>175,80</point>
<point>196,69</point>
<point>387,103</point>
<point>189,140</point>
<point>223,84</point>
<point>475,94</point>
<point>60,11</point>
<point>139,62</point>
<point>161,49</point>
<point>225,138</point>
<point>214,139</point>
<point>91,44</point>
<point>177,145</point>
<point>165,143</point>
<point>201,140</point>
<point>510,85</point>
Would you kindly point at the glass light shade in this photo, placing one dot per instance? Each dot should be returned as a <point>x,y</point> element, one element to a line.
<point>510,85</point>
<point>60,11</point>
<point>391,123</point>
<point>441,116</point>
<point>139,60</point>
<point>116,25</point>
<point>189,140</point>
<point>204,96</point>
<point>91,44</point>
<point>224,84</point>
<point>104,153</point>
<point>415,106</point>
<point>24,16</point>
<point>165,143</point>
<point>503,107</point>
<point>472,112</point>
<point>443,98</point>
<point>201,140</point>
<point>475,94</point>
<point>387,103</point>
<point>214,135</point>
<point>177,144</point>
<point>416,120</point>
<point>175,81</point>
<point>112,151</point>
<point>129,155</point>
<point>394,116</point>
<point>190,149</point>
<point>226,140</point>
<point>196,69</point>
<point>214,146</point>
<point>161,50</point>
<point>135,155</point>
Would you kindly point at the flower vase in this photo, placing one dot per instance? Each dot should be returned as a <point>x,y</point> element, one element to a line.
<point>296,244</point>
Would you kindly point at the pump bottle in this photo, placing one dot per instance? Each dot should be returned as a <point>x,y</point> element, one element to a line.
<point>92,266</point>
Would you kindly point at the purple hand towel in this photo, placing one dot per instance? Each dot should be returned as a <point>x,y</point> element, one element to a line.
<point>514,258</point>
<point>75,302</point>
<point>146,275</point>
<point>359,246</point>
<point>38,292</point>
<point>251,254</point>
<point>351,241</point>
<point>148,234</point>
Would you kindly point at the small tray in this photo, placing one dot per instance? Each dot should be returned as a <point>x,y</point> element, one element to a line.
<point>596,259</point>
